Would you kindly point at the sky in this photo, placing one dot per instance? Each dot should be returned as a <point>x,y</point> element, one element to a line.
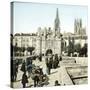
<point>27,17</point>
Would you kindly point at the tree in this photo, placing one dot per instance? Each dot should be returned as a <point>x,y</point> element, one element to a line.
<point>30,49</point>
<point>84,50</point>
<point>22,49</point>
<point>77,48</point>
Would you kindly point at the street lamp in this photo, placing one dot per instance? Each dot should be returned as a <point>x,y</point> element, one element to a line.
<point>40,47</point>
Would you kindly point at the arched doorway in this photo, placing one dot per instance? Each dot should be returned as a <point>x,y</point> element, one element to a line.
<point>49,51</point>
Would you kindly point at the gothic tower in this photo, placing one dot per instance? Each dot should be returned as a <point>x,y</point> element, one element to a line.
<point>78,26</point>
<point>57,23</point>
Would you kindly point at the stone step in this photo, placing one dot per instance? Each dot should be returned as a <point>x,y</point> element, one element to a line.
<point>68,61</point>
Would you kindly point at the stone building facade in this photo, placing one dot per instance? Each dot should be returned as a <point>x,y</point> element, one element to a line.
<point>48,38</point>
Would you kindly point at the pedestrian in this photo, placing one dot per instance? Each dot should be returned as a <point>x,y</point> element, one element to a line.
<point>43,80</point>
<point>40,57</point>
<point>57,61</point>
<point>29,66</point>
<point>56,83</point>
<point>24,79</point>
<point>49,60</point>
<point>54,62</point>
<point>36,77</point>
<point>49,63</point>
<point>23,67</point>
<point>15,71</point>
<point>60,58</point>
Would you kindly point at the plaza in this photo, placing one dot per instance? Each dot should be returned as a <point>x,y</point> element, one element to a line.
<point>62,73</point>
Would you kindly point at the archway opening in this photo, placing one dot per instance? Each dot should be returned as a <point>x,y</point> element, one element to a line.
<point>49,51</point>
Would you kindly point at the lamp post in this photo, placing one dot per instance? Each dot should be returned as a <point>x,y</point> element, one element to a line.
<point>61,47</point>
<point>40,47</point>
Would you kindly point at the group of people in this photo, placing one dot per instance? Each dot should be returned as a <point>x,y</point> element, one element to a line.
<point>24,80</point>
<point>35,73</point>
<point>52,61</point>
<point>38,76</point>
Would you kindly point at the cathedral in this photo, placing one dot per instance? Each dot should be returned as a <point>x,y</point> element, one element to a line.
<point>50,39</point>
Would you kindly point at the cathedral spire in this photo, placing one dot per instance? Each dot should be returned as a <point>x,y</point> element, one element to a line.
<point>57,16</point>
<point>57,22</point>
